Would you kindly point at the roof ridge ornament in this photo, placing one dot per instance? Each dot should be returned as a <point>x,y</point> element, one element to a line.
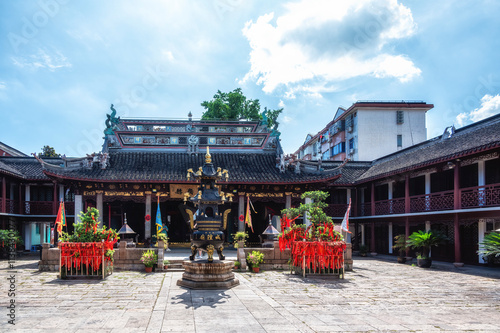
<point>448,132</point>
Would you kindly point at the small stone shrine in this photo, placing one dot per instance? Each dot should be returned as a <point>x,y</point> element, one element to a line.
<point>208,225</point>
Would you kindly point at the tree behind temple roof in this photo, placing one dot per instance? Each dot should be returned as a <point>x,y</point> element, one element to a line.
<point>48,151</point>
<point>235,106</point>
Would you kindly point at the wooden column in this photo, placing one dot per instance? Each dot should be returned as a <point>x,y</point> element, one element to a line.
<point>288,200</point>
<point>407,232</point>
<point>78,207</point>
<point>372,200</point>
<point>372,242</point>
<point>407,194</point>
<point>372,226</point>
<point>457,205</point>
<point>363,239</point>
<point>20,200</point>
<point>390,238</point>
<point>99,205</point>
<point>147,224</point>
<point>4,195</point>
<point>481,230</point>
<point>54,200</point>
<point>354,204</point>
<point>241,211</point>
<point>456,186</point>
<point>456,229</point>
<point>27,199</point>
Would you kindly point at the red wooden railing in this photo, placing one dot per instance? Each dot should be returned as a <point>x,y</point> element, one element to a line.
<point>392,206</point>
<point>365,209</point>
<point>471,197</point>
<point>34,207</point>
<point>70,208</point>
<point>11,206</point>
<point>431,202</point>
<point>336,210</point>
<point>38,207</point>
<point>480,196</point>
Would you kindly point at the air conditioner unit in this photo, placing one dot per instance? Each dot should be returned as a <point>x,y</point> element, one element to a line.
<point>351,151</point>
<point>349,129</point>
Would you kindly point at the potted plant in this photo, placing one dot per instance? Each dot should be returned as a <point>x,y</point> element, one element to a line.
<point>9,239</point>
<point>401,246</point>
<point>425,240</point>
<point>239,239</point>
<point>166,262</point>
<point>254,260</point>
<point>149,258</point>
<point>363,250</point>
<point>490,247</point>
<point>237,265</point>
<point>163,238</point>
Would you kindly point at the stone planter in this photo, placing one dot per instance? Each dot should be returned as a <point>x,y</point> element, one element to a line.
<point>424,263</point>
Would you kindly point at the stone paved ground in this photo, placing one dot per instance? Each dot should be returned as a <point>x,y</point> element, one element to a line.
<point>379,295</point>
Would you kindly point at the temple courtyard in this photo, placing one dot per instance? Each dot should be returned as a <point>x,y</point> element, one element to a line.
<point>378,295</point>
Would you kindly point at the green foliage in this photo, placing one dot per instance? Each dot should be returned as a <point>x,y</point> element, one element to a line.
<point>234,105</point>
<point>237,264</point>
<point>109,254</point>
<point>163,237</point>
<point>363,249</point>
<point>8,237</point>
<point>240,236</point>
<point>48,151</point>
<point>166,262</point>
<point>272,117</point>
<point>314,209</point>
<point>400,244</point>
<point>255,258</point>
<point>149,258</point>
<point>425,240</point>
<point>490,246</point>
<point>88,231</point>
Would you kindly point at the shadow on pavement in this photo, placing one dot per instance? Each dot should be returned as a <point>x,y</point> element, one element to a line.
<point>488,272</point>
<point>201,298</point>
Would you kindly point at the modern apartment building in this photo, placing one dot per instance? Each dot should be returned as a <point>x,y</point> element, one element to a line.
<point>368,130</point>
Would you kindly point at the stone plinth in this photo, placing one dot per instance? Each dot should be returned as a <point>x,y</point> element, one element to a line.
<point>204,275</point>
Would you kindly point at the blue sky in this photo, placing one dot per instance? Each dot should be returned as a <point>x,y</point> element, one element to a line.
<point>63,62</point>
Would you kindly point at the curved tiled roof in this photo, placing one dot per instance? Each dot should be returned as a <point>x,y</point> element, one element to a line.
<point>154,166</point>
<point>24,167</point>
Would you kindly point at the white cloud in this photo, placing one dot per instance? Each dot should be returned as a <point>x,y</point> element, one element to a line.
<point>42,59</point>
<point>281,104</point>
<point>2,85</point>
<point>168,55</point>
<point>319,42</point>
<point>490,105</point>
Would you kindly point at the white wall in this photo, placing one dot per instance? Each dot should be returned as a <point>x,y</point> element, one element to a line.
<point>377,132</point>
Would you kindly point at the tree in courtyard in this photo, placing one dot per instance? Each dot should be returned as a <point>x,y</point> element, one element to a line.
<point>235,106</point>
<point>48,151</point>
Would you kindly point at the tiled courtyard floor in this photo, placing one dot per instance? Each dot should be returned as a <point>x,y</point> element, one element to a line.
<point>379,295</point>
